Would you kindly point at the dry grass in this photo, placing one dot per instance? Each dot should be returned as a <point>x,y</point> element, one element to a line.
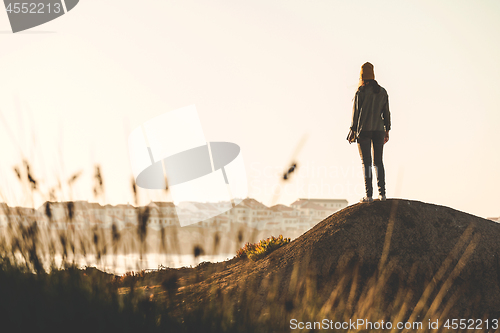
<point>221,297</point>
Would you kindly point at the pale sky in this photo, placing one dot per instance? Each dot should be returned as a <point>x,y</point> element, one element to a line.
<point>262,74</point>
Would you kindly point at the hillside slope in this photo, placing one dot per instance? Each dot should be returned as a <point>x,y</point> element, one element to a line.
<point>429,260</point>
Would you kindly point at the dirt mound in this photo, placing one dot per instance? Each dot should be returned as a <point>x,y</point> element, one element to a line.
<point>433,260</point>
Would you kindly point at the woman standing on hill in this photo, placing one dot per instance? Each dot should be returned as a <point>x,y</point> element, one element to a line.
<point>371,122</point>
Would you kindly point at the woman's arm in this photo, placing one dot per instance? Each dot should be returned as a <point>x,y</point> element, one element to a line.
<point>387,115</point>
<point>355,113</point>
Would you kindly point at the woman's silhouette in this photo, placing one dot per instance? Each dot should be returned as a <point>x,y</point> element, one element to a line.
<point>371,122</point>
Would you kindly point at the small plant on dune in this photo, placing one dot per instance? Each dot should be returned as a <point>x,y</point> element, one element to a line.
<point>261,249</point>
<point>242,253</point>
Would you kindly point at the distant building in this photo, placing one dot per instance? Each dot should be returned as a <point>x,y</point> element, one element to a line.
<point>164,208</point>
<point>161,215</point>
<point>334,204</point>
<point>315,210</point>
<point>54,213</point>
<point>128,215</point>
<point>285,218</point>
<point>254,213</point>
<point>302,215</point>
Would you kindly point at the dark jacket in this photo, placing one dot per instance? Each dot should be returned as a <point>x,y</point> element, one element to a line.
<point>370,111</point>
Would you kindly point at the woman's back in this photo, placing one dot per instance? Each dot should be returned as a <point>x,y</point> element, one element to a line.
<point>371,108</point>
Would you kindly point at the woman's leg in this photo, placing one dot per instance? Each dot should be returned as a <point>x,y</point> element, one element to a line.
<point>364,147</point>
<point>378,148</point>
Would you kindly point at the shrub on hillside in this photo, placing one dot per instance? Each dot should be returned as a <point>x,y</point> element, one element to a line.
<point>261,249</point>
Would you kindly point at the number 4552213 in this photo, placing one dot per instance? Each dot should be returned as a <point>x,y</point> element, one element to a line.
<point>33,8</point>
<point>471,324</point>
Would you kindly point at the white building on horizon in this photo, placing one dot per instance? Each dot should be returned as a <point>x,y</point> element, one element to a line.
<point>333,204</point>
<point>300,215</point>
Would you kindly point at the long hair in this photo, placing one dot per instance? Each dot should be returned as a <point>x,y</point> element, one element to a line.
<point>371,83</point>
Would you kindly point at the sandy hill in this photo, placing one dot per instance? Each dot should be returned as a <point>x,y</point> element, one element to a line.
<point>402,258</point>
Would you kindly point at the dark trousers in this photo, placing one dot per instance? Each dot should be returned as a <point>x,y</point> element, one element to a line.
<point>366,140</point>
